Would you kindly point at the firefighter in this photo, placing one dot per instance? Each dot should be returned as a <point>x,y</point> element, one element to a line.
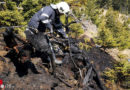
<point>46,18</point>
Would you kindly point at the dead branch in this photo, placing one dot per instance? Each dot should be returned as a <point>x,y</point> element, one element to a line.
<point>63,81</point>
<point>86,79</point>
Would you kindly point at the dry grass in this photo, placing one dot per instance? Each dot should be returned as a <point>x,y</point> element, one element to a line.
<point>117,54</point>
<point>3,53</point>
<point>1,66</point>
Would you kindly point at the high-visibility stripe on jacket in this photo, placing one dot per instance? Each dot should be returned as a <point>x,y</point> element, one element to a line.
<point>45,18</point>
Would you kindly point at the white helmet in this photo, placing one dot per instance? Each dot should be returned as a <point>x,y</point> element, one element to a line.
<point>63,8</point>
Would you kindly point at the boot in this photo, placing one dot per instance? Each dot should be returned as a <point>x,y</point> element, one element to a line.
<point>53,59</point>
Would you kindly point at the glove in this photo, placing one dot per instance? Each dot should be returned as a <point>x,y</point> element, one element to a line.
<point>51,30</point>
<point>49,26</point>
<point>65,36</point>
<point>62,33</point>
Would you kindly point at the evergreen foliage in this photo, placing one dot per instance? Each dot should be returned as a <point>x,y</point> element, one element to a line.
<point>120,5</point>
<point>10,5</point>
<point>30,7</point>
<point>113,33</point>
<point>119,74</point>
<point>11,18</point>
<point>92,10</point>
<point>76,30</point>
<point>17,1</point>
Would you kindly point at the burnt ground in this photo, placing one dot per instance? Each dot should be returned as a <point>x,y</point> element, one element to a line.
<point>17,76</point>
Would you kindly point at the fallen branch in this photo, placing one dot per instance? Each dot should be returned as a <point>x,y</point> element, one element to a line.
<point>63,81</point>
<point>97,78</point>
<point>86,79</point>
<point>75,65</point>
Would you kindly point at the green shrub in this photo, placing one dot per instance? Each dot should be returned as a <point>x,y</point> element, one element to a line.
<point>11,18</point>
<point>76,30</point>
<point>113,33</point>
<point>119,74</point>
<point>10,5</point>
<point>30,7</point>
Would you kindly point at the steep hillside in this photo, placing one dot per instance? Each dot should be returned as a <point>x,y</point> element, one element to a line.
<point>19,76</point>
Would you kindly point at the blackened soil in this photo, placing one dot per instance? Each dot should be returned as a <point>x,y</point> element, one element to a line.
<point>66,78</point>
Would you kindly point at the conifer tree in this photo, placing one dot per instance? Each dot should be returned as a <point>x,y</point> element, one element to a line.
<point>10,16</point>
<point>113,33</point>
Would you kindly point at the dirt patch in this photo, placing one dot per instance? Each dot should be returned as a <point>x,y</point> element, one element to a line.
<point>119,55</point>
<point>3,53</point>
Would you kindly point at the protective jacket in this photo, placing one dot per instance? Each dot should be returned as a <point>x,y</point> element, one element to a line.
<point>46,18</point>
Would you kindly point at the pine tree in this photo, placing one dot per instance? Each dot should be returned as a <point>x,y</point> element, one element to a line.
<point>92,11</point>
<point>10,16</point>
<point>113,33</point>
<point>105,39</point>
<point>30,7</point>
